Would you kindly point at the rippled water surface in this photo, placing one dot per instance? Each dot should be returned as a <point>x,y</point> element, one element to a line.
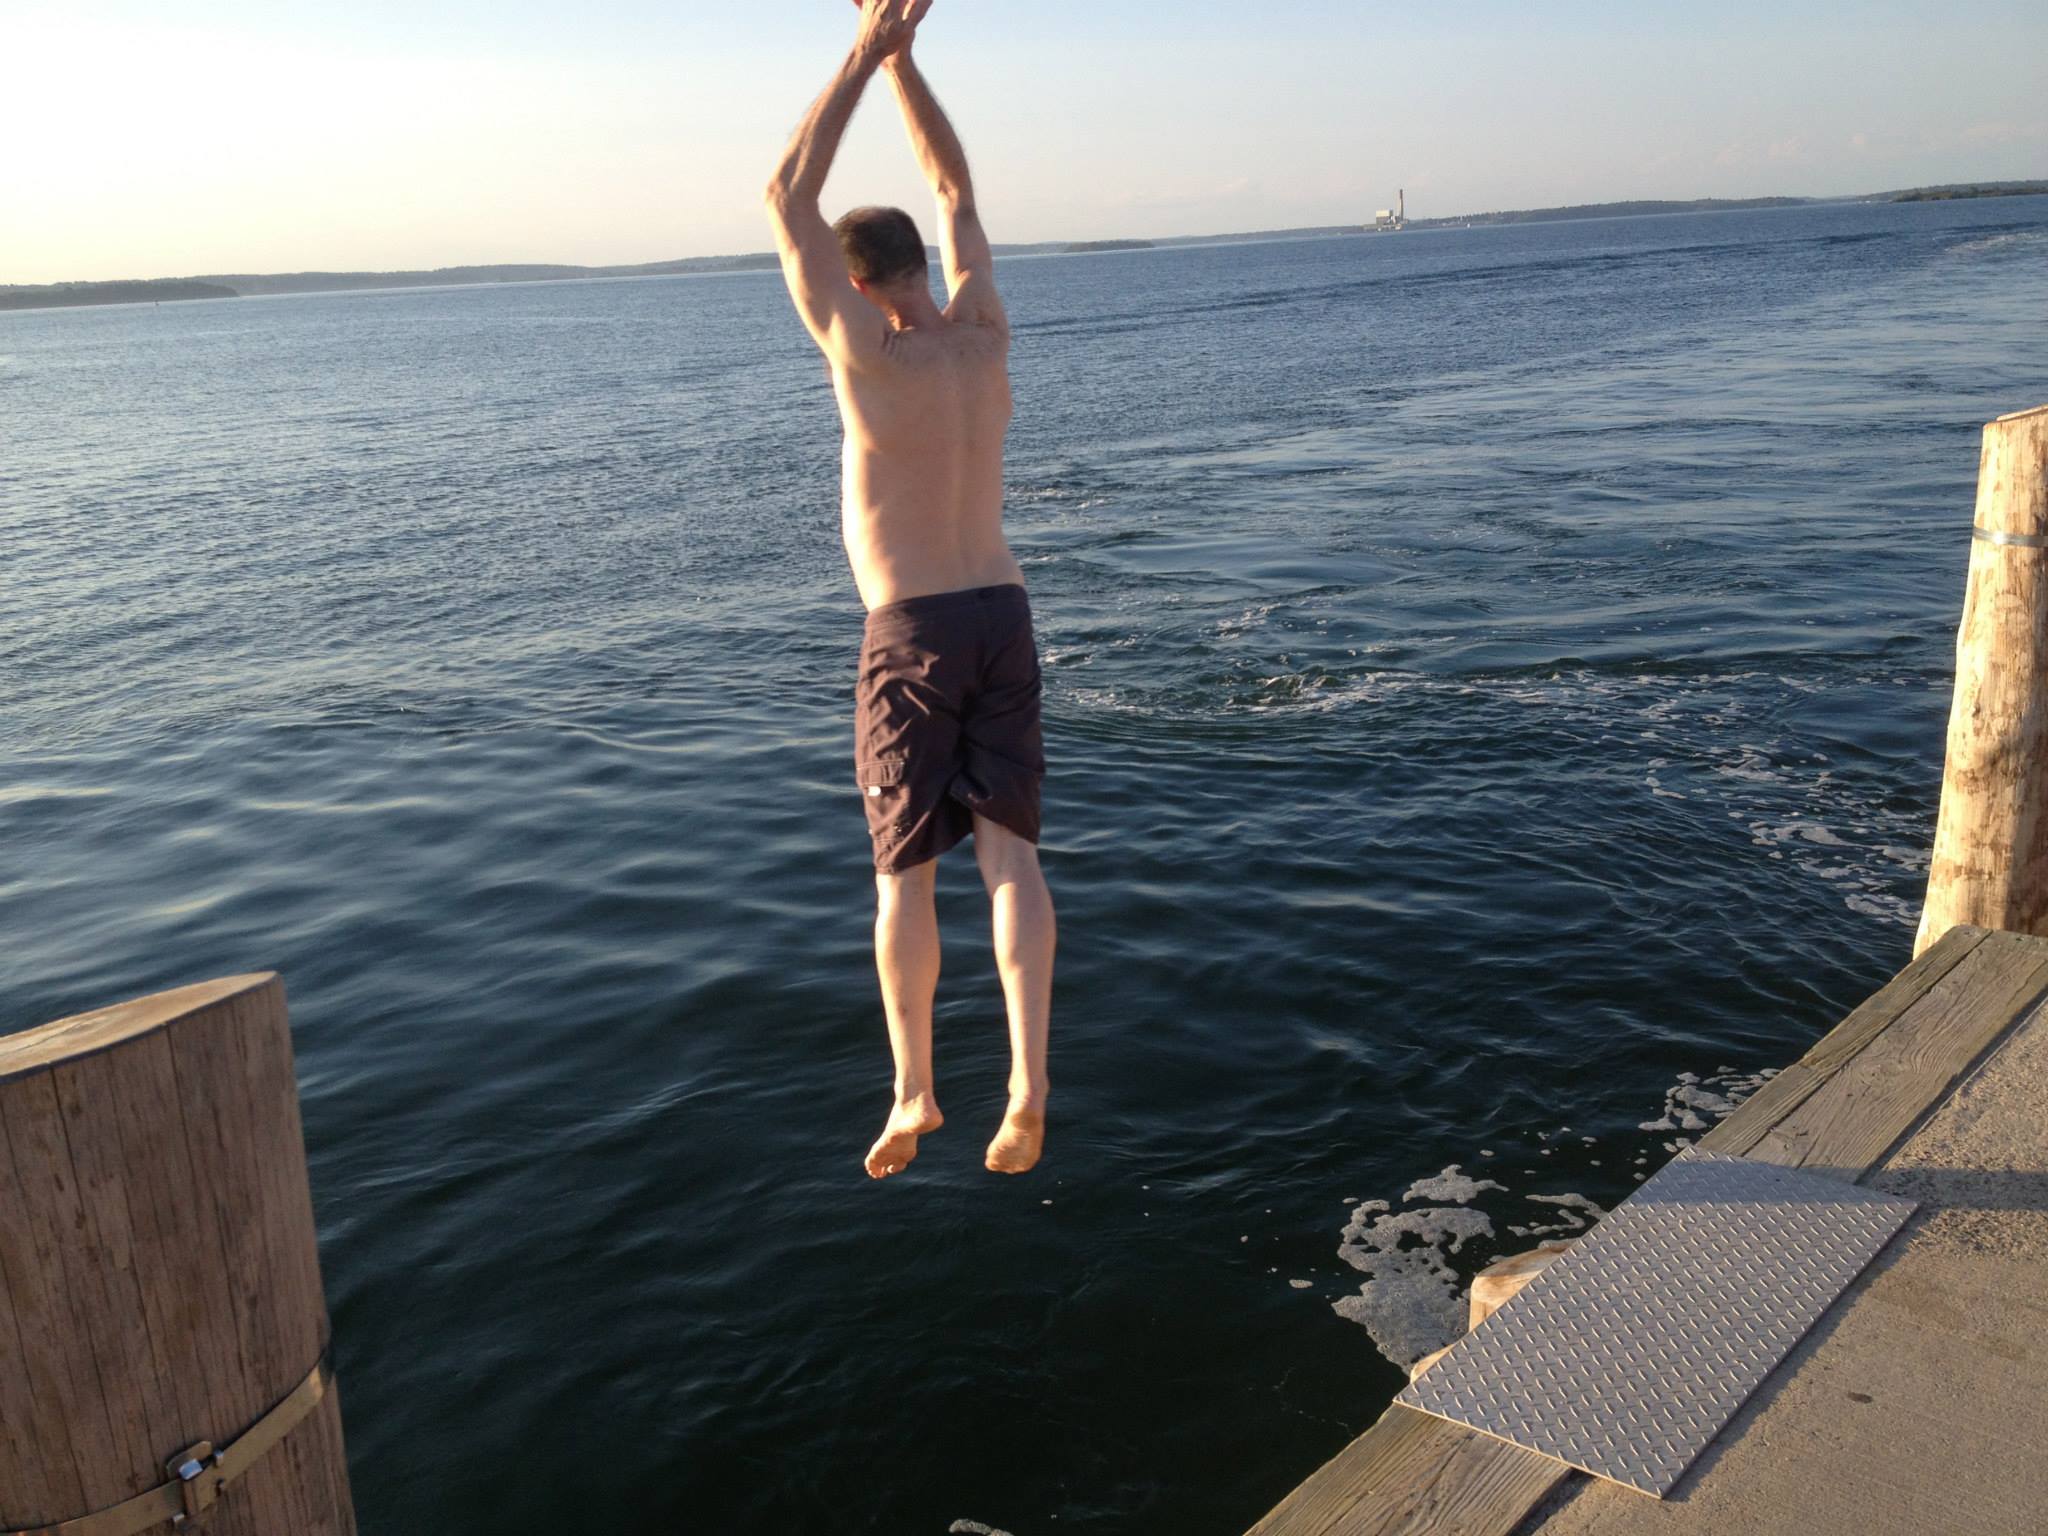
<point>1490,674</point>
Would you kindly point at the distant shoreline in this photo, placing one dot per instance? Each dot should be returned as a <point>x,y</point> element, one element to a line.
<point>31,296</point>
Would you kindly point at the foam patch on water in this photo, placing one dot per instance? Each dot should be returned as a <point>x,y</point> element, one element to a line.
<point>2012,240</point>
<point>1695,1103</point>
<point>1578,1212</point>
<point>973,1528</point>
<point>1410,1302</point>
<point>1451,1187</point>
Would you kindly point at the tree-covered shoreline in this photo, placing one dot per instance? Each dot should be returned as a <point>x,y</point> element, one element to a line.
<point>233,285</point>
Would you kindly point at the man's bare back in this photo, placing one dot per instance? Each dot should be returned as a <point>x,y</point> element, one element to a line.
<point>947,739</point>
<point>921,501</point>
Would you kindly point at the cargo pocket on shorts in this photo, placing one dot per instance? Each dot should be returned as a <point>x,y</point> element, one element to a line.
<point>883,796</point>
<point>879,775</point>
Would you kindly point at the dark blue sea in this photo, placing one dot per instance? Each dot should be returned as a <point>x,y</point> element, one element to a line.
<point>1496,683</point>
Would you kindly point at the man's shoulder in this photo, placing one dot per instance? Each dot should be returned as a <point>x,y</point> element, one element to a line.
<point>978,333</point>
<point>957,339</point>
<point>984,328</point>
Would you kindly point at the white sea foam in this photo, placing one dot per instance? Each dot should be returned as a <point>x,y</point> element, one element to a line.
<point>1450,1187</point>
<point>1577,1211</point>
<point>1695,1103</point>
<point>2012,240</point>
<point>1410,1300</point>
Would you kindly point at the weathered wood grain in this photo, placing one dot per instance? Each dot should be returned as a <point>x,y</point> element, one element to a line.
<point>159,1275</point>
<point>1990,860</point>
<point>86,1034</point>
<point>1413,1474</point>
<point>57,1322</point>
<point>41,1394</point>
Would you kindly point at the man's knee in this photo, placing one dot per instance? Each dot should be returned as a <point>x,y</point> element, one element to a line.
<point>917,883</point>
<point>1004,857</point>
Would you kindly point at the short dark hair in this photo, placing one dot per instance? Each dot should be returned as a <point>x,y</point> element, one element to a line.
<point>882,245</point>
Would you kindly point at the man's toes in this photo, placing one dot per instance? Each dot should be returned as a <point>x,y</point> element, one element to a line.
<point>892,1154</point>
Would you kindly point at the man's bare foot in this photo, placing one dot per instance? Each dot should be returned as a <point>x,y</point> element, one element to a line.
<point>897,1146</point>
<point>1018,1144</point>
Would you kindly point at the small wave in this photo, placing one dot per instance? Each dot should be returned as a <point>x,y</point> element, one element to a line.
<point>2010,240</point>
<point>1039,493</point>
<point>1711,744</point>
<point>27,794</point>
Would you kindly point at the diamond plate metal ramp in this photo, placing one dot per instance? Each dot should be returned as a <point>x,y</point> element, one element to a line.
<point>1632,1352</point>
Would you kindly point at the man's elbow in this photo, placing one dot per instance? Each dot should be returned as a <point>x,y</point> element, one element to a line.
<point>782,193</point>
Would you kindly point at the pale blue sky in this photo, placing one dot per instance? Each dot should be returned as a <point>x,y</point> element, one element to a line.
<point>190,136</point>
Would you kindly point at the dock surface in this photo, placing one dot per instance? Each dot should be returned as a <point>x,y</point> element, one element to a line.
<point>1919,1402</point>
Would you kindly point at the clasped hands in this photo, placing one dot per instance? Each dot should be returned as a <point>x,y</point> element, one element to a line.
<point>887,27</point>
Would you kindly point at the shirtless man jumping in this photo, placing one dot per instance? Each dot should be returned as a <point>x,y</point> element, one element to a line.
<point>946,724</point>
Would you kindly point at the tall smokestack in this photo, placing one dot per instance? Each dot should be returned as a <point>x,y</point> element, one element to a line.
<point>1403,203</point>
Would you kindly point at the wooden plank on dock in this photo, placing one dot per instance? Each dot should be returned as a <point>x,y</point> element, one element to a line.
<point>1413,1474</point>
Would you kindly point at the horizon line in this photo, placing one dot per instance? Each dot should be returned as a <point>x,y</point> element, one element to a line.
<point>680,265</point>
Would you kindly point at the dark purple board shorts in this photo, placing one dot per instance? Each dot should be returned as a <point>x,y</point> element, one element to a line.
<point>946,721</point>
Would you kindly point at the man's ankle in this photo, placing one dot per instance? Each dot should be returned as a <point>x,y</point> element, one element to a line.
<point>1028,1096</point>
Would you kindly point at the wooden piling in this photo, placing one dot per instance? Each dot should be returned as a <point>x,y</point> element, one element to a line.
<point>1990,865</point>
<point>163,1331</point>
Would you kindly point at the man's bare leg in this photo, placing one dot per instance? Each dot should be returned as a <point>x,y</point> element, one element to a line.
<point>1025,939</point>
<point>907,958</point>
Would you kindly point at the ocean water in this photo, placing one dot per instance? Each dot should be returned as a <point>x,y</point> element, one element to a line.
<point>1495,692</point>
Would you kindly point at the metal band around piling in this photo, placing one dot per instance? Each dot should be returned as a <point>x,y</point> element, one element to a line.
<point>2010,540</point>
<point>200,1475</point>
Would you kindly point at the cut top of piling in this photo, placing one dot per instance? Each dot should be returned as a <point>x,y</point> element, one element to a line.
<point>88,1034</point>
<point>2012,480</point>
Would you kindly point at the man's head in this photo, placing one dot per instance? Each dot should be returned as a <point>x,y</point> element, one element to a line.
<point>884,251</point>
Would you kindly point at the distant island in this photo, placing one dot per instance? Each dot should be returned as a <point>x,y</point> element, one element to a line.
<point>1989,189</point>
<point>65,295</point>
<point>250,284</point>
<point>1629,210</point>
<point>235,285</point>
<point>502,272</point>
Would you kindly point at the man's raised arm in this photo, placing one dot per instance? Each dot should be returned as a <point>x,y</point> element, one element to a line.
<point>970,267</point>
<point>844,325</point>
